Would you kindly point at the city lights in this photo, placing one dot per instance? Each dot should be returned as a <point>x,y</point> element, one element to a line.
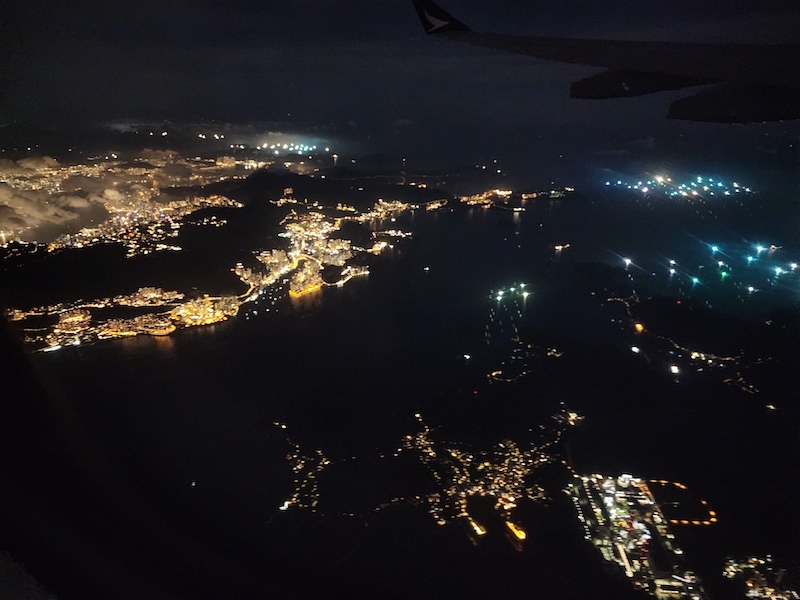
<point>698,189</point>
<point>761,578</point>
<point>499,474</point>
<point>622,518</point>
<point>311,249</point>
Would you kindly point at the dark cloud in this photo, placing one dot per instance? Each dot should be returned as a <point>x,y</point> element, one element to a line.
<point>250,59</point>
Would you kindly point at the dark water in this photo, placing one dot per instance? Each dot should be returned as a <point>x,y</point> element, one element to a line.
<point>187,421</point>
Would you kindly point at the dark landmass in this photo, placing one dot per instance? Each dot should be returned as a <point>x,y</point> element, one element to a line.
<point>689,323</point>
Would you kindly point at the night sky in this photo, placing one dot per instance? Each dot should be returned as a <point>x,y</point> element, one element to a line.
<point>364,70</point>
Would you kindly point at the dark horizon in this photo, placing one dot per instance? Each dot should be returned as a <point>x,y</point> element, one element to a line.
<point>365,72</point>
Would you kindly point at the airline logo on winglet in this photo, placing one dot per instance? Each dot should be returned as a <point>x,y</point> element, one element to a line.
<point>435,19</point>
<point>433,22</point>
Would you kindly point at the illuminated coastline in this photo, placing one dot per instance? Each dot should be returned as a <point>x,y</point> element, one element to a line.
<point>309,290</point>
<point>461,474</point>
<point>312,246</point>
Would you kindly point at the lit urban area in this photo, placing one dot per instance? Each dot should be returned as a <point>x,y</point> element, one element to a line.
<point>307,227</point>
<point>622,518</point>
<point>316,242</point>
<point>144,199</point>
<point>462,475</point>
<point>761,578</point>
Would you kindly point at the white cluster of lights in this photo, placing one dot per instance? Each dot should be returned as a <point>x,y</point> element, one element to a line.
<point>698,187</point>
<point>725,270</point>
<point>520,290</point>
<point>288,147</point>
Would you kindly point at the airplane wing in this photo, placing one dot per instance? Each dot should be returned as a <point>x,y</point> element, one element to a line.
<point>751,83</point>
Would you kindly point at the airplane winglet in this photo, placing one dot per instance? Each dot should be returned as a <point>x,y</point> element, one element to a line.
<point>437,20</point>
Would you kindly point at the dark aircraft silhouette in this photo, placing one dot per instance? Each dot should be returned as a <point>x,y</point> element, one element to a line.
<point>751,83</point>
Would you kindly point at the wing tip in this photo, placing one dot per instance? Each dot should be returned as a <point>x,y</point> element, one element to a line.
<point>436,20</point>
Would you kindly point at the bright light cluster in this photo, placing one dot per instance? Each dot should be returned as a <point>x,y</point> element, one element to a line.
<point>761,578</point>
<point>289,148</point>
<point>624,521</point>
<point>698,187</point>
<point>312,247</point>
